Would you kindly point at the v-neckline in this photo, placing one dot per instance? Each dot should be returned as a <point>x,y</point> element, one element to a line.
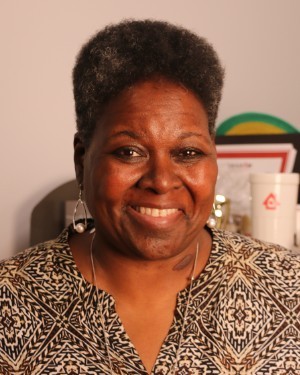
<point>170,342</point>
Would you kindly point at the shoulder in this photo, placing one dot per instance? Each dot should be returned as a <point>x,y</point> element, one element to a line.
<point>34,266</point>
<point>238,243</point>
<point>36,286</point>
<point>260,261</point>
<point>255,300</point>
<point>37,279</point>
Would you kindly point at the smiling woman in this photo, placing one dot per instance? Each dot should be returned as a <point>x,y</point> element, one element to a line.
<point>147,286</point>
<point>143,172</point>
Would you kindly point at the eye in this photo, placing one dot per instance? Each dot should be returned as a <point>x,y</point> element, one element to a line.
<point>129,153</point>
<point>188,154</point>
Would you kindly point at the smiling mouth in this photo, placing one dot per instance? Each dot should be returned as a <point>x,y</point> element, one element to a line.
<point>156,212</point>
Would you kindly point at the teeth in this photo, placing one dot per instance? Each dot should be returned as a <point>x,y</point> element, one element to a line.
<point>155,212</point>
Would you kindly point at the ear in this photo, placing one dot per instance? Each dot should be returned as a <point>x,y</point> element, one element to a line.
<point>79,154</point>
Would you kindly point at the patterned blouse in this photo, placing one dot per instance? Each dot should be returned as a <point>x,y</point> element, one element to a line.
<point>244,317</point>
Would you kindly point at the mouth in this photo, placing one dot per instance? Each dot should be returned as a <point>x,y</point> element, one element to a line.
<point>156,218</point>
<point>156,212</point>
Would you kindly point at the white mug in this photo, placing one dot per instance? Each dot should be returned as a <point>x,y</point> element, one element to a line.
<point>274,202</point>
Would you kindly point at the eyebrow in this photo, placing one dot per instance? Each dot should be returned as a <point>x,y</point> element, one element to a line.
<point>127,133</point>
<point>193,134</point>
<point>190,134</point>
<point>131,134</point>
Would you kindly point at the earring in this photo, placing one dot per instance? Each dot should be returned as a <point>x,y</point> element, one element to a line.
<point>212,220</point>
<point>80,227</point>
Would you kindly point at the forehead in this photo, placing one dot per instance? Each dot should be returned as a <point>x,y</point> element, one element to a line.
<point>160,105</point>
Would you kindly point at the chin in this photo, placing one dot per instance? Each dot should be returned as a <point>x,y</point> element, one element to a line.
<point>157,249</point>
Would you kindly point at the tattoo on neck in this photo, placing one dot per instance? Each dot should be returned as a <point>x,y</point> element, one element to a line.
<point>183,263</point>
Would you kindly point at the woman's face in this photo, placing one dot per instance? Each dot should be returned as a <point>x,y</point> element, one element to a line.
<point>149,172</point>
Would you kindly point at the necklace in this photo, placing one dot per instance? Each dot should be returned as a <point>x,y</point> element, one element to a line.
<point>174,368</point>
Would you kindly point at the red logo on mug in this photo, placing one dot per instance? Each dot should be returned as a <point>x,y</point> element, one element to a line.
<point>271,202</point>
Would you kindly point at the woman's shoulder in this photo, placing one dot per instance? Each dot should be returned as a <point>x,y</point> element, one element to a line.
<point>263,259</point>
<point>242,244</point>
<point>34,257</point>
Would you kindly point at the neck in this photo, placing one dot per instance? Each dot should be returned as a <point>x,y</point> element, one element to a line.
<point>138,279</point>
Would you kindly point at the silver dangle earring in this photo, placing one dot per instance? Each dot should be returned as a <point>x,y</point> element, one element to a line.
<point>80,227</point>
<point>212,220</point>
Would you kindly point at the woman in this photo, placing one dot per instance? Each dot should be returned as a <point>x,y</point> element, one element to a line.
<point>147,286</point>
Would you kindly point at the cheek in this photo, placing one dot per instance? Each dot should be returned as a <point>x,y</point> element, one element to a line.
<point>108,186</point>
<point>204,181</point>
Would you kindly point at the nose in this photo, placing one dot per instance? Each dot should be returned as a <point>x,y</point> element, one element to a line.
<point>160,176</point>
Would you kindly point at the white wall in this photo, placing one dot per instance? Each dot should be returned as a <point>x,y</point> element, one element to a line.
<point>258,42</point>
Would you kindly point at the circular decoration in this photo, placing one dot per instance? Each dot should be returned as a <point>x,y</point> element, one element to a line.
<point>254,123</point>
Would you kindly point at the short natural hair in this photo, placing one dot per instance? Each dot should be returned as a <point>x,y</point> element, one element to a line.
<point>123,54</point>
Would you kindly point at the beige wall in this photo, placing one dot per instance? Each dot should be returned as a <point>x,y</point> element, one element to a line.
<point>257,40</point>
